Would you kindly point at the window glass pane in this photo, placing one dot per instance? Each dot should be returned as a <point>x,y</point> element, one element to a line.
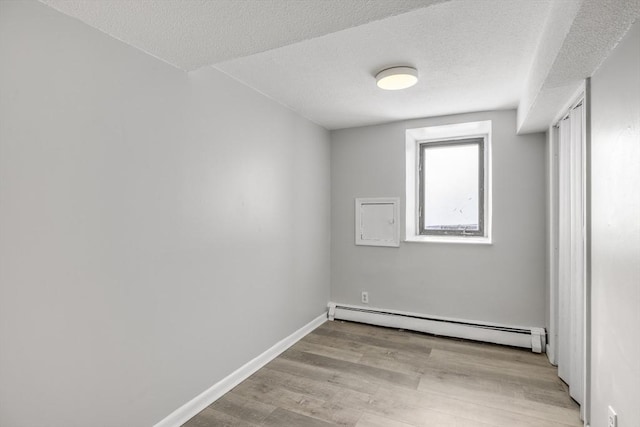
<point>451,187</point>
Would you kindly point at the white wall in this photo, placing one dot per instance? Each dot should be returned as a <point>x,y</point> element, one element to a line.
<point>157,229</point>
<point>615,235</point>
<point>503,282</point>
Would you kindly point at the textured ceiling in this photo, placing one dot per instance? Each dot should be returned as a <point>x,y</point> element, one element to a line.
<point>471,56</point>
<point>577,38</point>
<point>195,33</point>
<point>319,57</point>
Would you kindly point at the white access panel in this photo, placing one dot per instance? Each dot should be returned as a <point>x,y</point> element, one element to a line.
<point>377,221</point>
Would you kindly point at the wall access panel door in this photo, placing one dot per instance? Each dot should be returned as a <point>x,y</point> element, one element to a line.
<point>377,221</point>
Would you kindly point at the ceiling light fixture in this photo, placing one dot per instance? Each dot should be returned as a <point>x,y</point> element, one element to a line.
<point>396,78</point>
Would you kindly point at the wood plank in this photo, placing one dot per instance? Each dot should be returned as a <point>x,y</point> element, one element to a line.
<point>516,402</point>
<point>343,379</point>
<point>404,410</point>
<point>304,403</point>
<point>248,410</point>
<point>322,349</point>
<point>510,367</point>
<point>323,390</point>
<point>428,409</point>
<point>351,374</point>
<point>370,420</point>
<point>382,342</point>
<point>210,417</point>
<point>281,417</point>
<point>382,376</point>
<point>551,397</point>
<point>472,367</point>
<point>395,359</point>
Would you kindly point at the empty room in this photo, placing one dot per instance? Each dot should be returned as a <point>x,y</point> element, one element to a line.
<point>368,213</point>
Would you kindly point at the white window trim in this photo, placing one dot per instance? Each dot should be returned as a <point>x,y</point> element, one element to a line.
<point>437,133</point>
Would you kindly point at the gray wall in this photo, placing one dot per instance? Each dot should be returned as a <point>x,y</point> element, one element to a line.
<point>615,235</point>
<point>154,226</point>
<point>503,282</point>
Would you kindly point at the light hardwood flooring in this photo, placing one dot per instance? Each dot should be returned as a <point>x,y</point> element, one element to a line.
<point>351,374</point>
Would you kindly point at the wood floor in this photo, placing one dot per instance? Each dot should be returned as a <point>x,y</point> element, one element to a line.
<point>351,374</point>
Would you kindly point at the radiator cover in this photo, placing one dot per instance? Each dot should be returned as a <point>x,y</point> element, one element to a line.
<point>517,336</point>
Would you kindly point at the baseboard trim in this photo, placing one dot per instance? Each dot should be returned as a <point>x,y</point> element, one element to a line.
<point>518,336</point>
<point>213,393</point>
<point>551,355</point>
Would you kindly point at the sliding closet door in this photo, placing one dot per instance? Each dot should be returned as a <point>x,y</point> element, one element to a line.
<point>576,387</point>
<point>572,255</point>
<point>564,251</point>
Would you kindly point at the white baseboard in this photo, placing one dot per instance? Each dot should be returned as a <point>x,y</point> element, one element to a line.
<point>213,393</point>
<point>518,336</point>
<point>551,355</point>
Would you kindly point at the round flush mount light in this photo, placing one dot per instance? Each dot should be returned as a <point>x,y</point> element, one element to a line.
<point>396,78</point>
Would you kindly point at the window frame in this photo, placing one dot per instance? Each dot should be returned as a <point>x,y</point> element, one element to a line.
<point>425,145</point>
<point>448,132</point>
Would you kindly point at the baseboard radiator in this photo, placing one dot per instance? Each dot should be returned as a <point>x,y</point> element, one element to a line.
<point>527,337</point>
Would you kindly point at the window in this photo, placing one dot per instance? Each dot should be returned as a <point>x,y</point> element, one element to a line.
<point>451,187</point>
<point>448,176</point>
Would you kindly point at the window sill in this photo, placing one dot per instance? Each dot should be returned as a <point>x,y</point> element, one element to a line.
<point>449,239</point>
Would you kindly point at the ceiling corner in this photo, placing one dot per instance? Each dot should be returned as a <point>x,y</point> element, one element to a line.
<point>578,36</point>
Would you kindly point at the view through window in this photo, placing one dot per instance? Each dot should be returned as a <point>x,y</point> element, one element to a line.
<point>451,187</point>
